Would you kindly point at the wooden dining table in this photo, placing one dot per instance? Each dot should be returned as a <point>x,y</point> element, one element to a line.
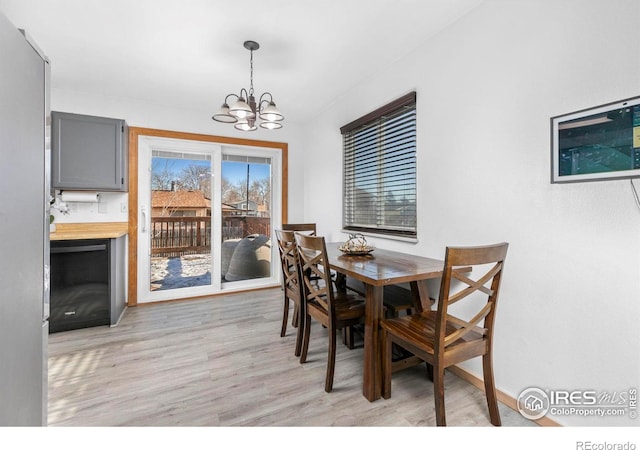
<point>377,270</point>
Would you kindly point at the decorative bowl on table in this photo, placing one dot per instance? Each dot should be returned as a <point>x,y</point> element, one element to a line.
<point>356,245</point>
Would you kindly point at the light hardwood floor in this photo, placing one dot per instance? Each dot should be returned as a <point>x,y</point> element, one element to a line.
<point>221,362</point>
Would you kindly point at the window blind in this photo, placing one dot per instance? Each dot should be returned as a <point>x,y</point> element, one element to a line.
<point>180,155</point>
<point>379,172</point>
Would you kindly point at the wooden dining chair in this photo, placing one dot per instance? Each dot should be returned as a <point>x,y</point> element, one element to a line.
<point>292,285</point>
<point>332,308</point>
<point>442,339</point>
<point>310,229</point>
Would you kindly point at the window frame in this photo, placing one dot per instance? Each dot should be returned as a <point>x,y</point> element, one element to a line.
<point>378,119</point>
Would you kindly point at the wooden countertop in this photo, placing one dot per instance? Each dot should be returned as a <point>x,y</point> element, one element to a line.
<point>96,230</point>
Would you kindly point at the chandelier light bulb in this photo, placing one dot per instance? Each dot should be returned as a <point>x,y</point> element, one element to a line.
<point>271,125</point>
<point>271,113</point>
<point>241,109</point>
<point>244,125</point>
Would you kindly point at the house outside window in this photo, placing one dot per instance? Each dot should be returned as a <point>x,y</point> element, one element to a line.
<point>379,171</point>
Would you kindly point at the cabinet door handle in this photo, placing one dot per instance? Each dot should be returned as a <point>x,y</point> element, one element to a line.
<point>80,249</point>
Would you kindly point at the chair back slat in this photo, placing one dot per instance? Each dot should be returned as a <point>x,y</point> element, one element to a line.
<point>474,256</point>
<point>289,261</point>
<point>467,327</point>
<point>309,228</point>
<point>461,323</point>
<point>474,285</point>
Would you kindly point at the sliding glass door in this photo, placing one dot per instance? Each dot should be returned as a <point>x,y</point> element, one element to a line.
<point>205,217</point>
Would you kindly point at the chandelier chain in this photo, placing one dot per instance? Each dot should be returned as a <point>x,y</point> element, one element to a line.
<point>251,74</point>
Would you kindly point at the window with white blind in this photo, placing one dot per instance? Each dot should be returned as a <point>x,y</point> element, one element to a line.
<point>379,184</point>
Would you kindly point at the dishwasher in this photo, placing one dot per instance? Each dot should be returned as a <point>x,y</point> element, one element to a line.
<point>80,296</point>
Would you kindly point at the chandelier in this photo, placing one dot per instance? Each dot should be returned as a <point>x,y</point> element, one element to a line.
<point>245,111</point>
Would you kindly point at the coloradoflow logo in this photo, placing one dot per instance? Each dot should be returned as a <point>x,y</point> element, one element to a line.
<point>533,403</point>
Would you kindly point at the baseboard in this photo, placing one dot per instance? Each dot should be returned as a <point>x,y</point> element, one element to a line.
<point>208,296</point>
<point>502,397</point>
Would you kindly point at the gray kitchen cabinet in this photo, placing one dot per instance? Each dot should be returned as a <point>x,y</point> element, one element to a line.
<point>88,152</point>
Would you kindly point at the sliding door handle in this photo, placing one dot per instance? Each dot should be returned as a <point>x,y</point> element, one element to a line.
<point>143,213</point>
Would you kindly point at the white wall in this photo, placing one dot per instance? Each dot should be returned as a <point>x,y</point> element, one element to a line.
<point>487,87</point>
<point>146,115</point>
<point>111,207</point>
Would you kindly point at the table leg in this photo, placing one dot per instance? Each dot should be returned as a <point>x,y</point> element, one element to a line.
<point>341,282</point>
<point>421,297</point>
<point>372,373</point>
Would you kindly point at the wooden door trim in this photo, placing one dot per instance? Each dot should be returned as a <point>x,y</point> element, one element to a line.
<point>134,134</point>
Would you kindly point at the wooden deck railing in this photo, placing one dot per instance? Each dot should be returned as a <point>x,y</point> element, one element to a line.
<point>177,236</point>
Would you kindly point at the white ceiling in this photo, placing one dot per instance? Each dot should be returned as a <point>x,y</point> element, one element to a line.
<point>190,54</point>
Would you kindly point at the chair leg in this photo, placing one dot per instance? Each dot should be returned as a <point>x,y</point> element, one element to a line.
<point>295,320</point>
<point>348,338</point>
<point>387,356</point>
<point>305,340</point>
<point>285,317</point>
<point>438,393</point>
<point>429,371</point>
<point>490,390</point>
<point>331,362</point>
<point>299,333</point>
